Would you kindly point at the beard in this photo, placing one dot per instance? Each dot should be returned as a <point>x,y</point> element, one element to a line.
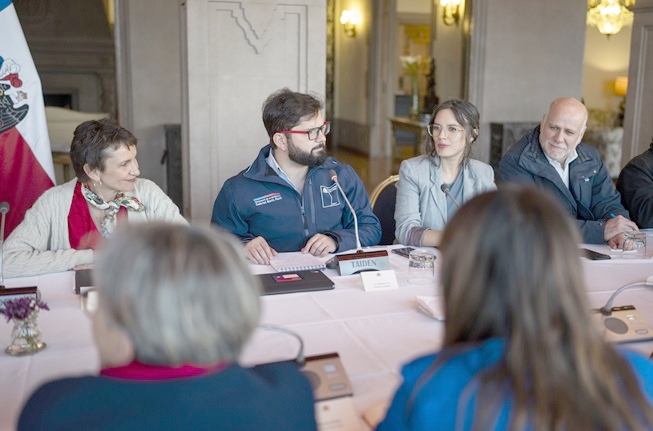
<point>315,157</point>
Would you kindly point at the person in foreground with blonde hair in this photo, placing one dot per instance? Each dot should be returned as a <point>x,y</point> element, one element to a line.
<point>520,351</point>
<point>174,311</point>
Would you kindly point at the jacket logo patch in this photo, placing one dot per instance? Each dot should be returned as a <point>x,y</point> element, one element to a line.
<point>266,199</point>
<point>330,196</point>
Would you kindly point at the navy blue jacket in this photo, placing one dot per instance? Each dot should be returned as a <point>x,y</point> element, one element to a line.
<point>636,187</point>
<point>269,397</point>
<point>591,196</point>
<point>257,202</point>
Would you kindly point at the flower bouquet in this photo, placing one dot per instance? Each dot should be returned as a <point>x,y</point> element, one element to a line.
<point>26,335</point>
<point>413,66</point>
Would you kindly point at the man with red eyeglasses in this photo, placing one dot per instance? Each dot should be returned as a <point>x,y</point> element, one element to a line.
<point>286,200</point>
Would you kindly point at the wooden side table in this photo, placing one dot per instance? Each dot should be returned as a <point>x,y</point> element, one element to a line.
<point>415,127</point>
<point>63,158</point>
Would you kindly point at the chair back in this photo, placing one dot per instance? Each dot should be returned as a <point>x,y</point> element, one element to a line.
<point>383,199</point>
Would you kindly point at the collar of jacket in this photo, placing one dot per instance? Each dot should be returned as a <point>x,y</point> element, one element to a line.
<point>535,155</point>
<point>261,171</point>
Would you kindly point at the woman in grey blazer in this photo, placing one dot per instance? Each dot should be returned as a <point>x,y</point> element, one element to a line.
<point>423,208</point>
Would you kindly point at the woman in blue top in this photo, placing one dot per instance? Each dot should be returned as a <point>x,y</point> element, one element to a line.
<point>520,351</point>
<point>422,208</point>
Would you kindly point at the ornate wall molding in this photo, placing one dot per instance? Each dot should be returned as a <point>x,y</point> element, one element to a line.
<point>236,53</point>
<point>259,38</point>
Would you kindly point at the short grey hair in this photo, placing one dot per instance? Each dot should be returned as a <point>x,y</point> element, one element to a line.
<point>183,294</point>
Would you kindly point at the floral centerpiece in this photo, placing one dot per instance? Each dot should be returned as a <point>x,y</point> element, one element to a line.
<point>26,335</point>
<point>414,65</point>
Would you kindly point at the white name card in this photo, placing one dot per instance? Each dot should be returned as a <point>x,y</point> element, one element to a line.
<point>374,281</point>
<point>337,414</point>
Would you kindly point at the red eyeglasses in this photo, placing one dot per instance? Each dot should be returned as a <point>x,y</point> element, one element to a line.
<point>312,133</point>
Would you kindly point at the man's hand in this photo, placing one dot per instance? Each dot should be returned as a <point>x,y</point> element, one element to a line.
<point>319,245</point>
<point>614,230</point>
<point>258,251</point>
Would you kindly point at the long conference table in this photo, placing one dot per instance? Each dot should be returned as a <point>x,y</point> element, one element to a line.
<point>373,332</point>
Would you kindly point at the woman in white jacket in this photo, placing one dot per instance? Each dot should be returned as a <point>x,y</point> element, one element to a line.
<point>69,221</point>
<point>423,208</point>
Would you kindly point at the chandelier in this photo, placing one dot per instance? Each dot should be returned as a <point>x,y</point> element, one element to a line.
<point>609,15</point>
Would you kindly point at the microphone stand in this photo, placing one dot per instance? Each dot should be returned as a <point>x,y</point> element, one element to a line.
<point>300,359</point>
<point>14,292</point>
<point>447,192</point>
<point>359,249</point>
<point>4,209</point>
<point>606,310</point>
<point>360,261</point>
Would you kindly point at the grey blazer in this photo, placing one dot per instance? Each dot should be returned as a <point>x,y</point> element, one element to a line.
<point>422,205</point>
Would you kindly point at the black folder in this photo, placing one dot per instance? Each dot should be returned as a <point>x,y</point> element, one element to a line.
<point>298,281</point>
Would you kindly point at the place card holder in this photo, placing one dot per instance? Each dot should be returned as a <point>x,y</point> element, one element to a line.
<point>354,263</point>
<point>10,293</point>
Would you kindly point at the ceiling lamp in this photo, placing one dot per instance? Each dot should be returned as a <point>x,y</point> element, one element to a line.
<point>609,15</point>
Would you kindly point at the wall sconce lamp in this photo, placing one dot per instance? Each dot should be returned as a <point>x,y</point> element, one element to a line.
<point>450,11</point>
<point>609,15</point>
<point>620,89</point>
<point>349,18</point>
<point>620,86</point>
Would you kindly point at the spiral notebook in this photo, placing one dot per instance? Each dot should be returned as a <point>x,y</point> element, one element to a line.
<point>297,261</point>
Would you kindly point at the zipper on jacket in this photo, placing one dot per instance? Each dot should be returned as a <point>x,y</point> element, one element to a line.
<point>306,232</point>
<point>312,199</point>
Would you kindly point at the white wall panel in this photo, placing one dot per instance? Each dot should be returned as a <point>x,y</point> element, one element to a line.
<point>236,54</point>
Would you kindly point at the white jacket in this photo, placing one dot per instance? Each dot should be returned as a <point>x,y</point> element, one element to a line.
<point>40,243</point>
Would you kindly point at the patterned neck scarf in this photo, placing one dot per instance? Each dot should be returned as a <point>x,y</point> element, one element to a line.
<point>108,225</point>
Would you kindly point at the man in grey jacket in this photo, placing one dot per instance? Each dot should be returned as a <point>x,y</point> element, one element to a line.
<point>553,157</point>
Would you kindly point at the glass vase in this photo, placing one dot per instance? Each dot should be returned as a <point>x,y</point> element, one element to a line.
<point>414,97</point>
<point>26,336</point>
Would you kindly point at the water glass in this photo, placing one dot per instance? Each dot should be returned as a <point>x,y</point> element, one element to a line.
<point>634,245</point>
<point>421,267</point>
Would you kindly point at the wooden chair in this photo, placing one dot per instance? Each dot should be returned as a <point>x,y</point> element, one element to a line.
<point>383,200</point>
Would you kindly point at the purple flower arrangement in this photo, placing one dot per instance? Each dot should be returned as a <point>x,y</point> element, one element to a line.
<point>20,309</point>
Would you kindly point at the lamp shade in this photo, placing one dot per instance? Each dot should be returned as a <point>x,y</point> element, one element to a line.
<point>620,86</point>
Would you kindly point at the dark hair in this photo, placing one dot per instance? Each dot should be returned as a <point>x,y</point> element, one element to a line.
<point>91,141</point>
<point>511,269</point>
<point>284,109</point>
<point>468,117</point>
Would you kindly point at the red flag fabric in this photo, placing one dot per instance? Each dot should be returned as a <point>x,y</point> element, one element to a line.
<point>26,168</point>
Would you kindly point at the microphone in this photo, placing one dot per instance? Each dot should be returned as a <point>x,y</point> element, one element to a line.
<point>300,359</point>
<point>325,373</point>
<point>334,178</point>
<point>14,292</point>
<point>623,323</point>
<point>4,209</point>
<point>360,261</point>
<point>447,192</point>
<point>606,310</point>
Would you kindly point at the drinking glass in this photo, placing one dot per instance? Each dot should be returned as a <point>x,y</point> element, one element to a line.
<point>634,245</point>
<point>421,267</point>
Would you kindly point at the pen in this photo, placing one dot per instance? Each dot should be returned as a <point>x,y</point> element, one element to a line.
<point>612,215</point>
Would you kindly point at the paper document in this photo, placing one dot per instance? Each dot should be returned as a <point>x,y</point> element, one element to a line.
<point>297,261</point>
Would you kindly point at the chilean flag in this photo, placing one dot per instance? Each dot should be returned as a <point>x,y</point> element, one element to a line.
<point>26,169</point>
